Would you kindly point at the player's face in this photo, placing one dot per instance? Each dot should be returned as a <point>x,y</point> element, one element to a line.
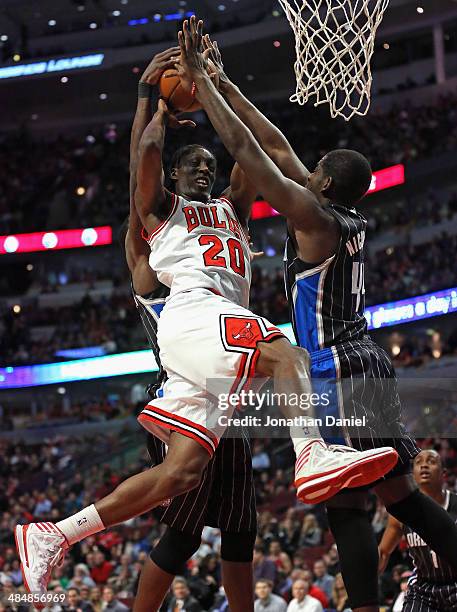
<point>427,468</point>
<point>196,175</point>
<point>317,181</point>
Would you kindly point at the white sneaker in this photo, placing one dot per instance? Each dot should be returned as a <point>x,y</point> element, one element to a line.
<point>321,471</point>
<point>41,546</point>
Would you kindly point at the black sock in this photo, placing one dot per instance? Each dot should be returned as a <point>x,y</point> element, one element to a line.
<point>431,522</point>
<point>358,553</point>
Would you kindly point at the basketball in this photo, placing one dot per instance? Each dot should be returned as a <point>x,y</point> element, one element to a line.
<point>176,96</point>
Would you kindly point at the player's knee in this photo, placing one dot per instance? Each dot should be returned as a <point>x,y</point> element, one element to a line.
<point>174,549</point>
<point>182,477</point>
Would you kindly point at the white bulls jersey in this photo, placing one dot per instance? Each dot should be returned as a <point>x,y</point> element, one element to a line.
<point>202,246</point>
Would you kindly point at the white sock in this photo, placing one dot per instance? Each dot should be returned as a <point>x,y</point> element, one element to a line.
<point>81,525</point>
<point>303,436</point>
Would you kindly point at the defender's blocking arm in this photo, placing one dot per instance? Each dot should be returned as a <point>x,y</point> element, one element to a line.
<point>270,138</point>
<point>292,200</point>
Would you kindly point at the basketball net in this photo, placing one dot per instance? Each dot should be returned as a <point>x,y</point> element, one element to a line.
<point>334,43</point>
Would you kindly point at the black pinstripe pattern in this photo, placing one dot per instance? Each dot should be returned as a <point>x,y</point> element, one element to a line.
<point>334,294</point>
<point>369,392</point>
<point>225,497</point>
<point>427,597</point>
<point>433,577</point>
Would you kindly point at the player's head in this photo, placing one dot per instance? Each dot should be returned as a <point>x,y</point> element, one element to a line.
<point>193,171</point>
<point>428,470</point>
<point>342,176</point>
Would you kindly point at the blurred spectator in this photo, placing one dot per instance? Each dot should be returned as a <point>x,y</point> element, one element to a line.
<point>398,605</point>
<point>263,568</point>
<point>182,599</point>
<point>75,603</point>
<point>339,594</point>
<point>311,533</point>
<point>266,601</point>
<point>322,578</point>
<point>302,600</point>
<point>110,602</point>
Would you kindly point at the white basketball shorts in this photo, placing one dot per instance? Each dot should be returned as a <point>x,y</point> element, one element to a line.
<point>209,349</point>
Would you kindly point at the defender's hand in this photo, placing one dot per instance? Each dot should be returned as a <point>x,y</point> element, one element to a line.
<point>190,43</point>
<point>212,52</point>
<point>160,62</point>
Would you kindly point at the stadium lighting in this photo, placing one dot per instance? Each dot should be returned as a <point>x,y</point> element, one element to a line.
<point>80,191</point>
<point>52,23</point>
<point>386,46</point>
<point>93,25</point>
<point>103,96</point>
<point>17,308</point>
<point>16,57</point>
<point>3,37</point>
<point>62,239</point>
<point>64,79</point>
<point>116,13</point>
<point>420,10</point>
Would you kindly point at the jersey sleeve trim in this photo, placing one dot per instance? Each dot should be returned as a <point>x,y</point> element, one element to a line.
<point>159,228</point>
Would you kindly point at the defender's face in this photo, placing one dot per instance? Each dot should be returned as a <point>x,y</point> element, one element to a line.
<point>427,468</point>
<point>196,175</point>
<point>317,181</point>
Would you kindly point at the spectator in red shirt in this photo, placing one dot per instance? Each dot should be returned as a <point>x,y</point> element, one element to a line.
<point>102,569</point>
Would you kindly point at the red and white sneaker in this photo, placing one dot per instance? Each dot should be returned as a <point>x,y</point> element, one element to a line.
<point>321,471</point>
<point>40,546</point>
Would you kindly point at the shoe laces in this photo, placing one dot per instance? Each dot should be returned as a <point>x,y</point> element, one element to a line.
<point>48,557</point>
<point>340,448</point>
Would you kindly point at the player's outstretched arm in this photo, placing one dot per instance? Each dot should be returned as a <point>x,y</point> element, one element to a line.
<point>136,248</point>
<point>270,138</point>
<point>389,542</point>
<point>152,200</point>
<point>291,199</point>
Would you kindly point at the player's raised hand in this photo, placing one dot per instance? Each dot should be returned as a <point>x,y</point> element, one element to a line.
<point>190,43</point>
<point>159,63</point>
<point>171,119</point>
<point>212,52</point>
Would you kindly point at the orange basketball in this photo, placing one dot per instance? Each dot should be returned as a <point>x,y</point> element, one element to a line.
<point>177,98</point>
<point>174,94</point>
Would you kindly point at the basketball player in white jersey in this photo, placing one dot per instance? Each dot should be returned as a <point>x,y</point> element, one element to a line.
<point>210,345</point>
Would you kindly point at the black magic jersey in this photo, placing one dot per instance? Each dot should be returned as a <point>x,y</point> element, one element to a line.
<point>428,566</point>
<point>328,301</point>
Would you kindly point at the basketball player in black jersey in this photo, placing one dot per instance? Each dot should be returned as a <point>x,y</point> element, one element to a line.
<point>433,585</point>
<point>225,498</point>
<point>326,247</point>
